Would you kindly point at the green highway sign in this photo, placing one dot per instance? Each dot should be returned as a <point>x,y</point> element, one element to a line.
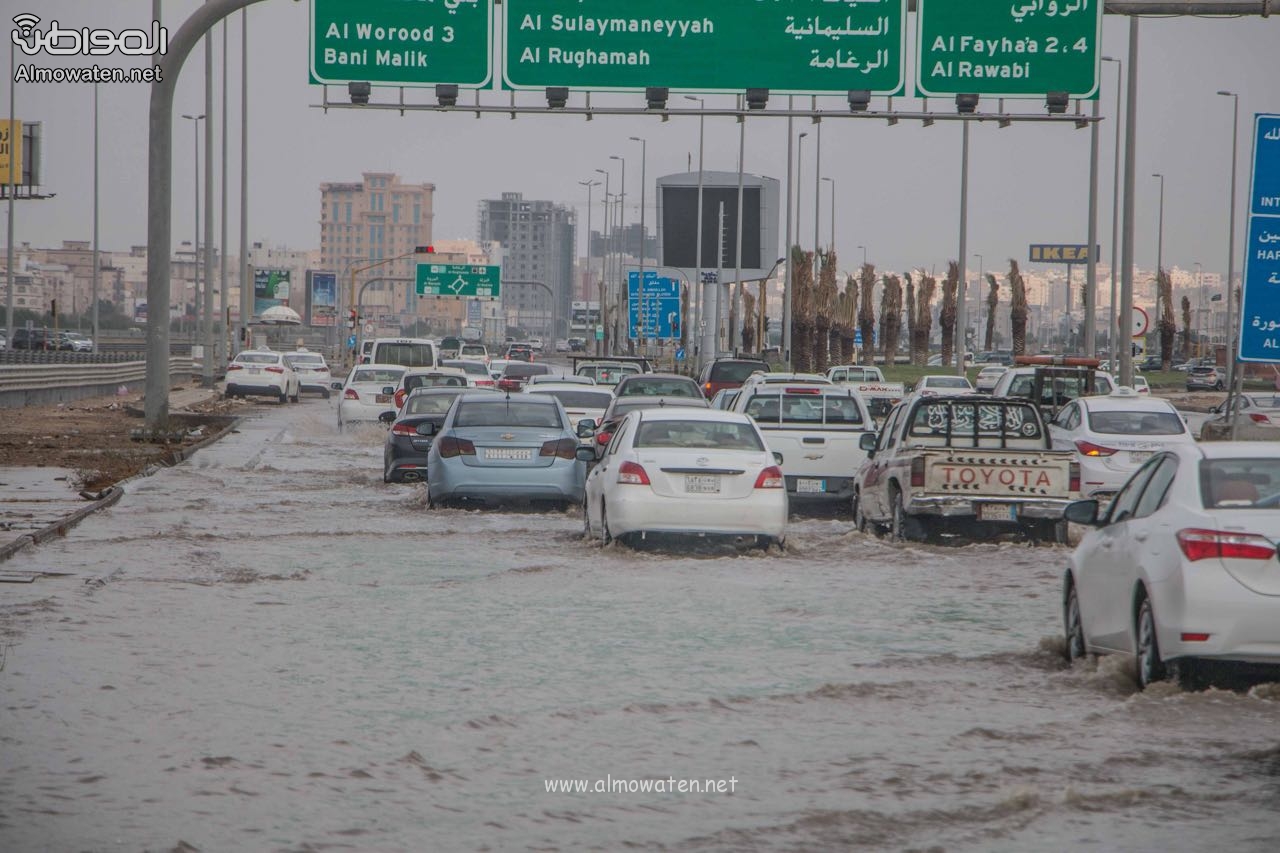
<point>800,47</point>
<point>1008,48</point>
<point>402,42</point>
<point>466,280</point>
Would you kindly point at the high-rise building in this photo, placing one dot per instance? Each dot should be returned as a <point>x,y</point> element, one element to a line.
<point>537,239</point>
<point>370,221</point>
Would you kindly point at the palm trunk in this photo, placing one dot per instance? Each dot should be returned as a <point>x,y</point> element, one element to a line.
<point>891,314</point>
<point>993,301</point>
<point>1186,328</point>
<point>947,316</point>
<point>866,312</point>
<point>1167,326</point>
<point>1018,309</point>
<point>913,334</point>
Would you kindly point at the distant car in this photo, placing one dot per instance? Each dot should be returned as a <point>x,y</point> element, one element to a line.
<point>656,385</point>
<point>474,352</point>
<point>313,371</point>
<point>987,377</point>
<point>429,377</point>
<point>1256,416</point>
<point>262,373</point>
<point>1151,362</point>
<point>1140,384</point>
<point>519,352</point>
<point>562,345</point>
<point>496,366</point>
<point>620,406</point>
<point>495,448</point>
<point>75,342</point>
<point>728,373</point>
<point>935,360</point>
<point>33,339</point>
<point>1206,378</point>
<point>941,383</point>
<point>577,344</point>
<point>450,346</point>
<point>724,398</point>
<point>1180,573</point>
<point>368,392</point>
<point>477,372</point>
<point>686,471</point>
<point>516,373</point>
<point>404,452</point>
<point>1113,435</point>
<point>606,372</point>
<point>581,402</point>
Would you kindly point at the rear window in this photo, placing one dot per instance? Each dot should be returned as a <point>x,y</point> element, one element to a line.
<point>308,359</point>
<point>521,369</point>
<point>508,413</point>
<point>947,382</point>
<point>437,380</point>
<point>406,353</point>
<point>659,388</point>
<point>383,377</point>
<point>429,404</point>
<point>699,435</point>
<point>258,358</point>
<point>1136,423</point>
<point>608,374</point>
<point>1240,483</point>
<point>804,409</point>
<point>735,371</point>
<point>472,368</point>
<point>621,406</point>
<point>473,349</point>
<point>579,399</point>
<point>959,419</point>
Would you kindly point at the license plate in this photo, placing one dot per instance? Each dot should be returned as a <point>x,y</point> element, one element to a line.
<point>382,398</point>
<point>1138,456</point>
<point>702,484</point>
<point>253,370</point>
<point>811,486</point>
<point>508,453</point>
<point>996,512</point>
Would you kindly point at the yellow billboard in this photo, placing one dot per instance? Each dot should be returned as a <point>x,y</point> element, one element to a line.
<point>10,151</point>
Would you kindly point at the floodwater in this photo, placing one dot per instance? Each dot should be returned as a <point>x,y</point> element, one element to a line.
<point>266,648</point>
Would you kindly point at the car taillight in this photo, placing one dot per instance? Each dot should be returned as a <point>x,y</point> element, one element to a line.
<point>484,383</point>
<point>450,447</point>
<point>803,391</point>
<point>404,429</point>
<point>509,384</point>
<point>706,390</point>
<point>399,397</point>
<point>632,474</point>
<point>603,437</point>
<point>1074,477</point>
<point>771,478</point>
<point>275,370</point>
<point>565,448</point>
<point>231,367</point>
<point>1259,418</point>
<point>1199,544</point>
<point>917,472</point>
<point>350,394</point>
<point>1088,448</point>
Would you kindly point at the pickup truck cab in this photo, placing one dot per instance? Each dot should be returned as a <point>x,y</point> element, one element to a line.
<point>817,428</point>
<point>1051,384</point>
<point>868,381</point>
<point>970,464</point>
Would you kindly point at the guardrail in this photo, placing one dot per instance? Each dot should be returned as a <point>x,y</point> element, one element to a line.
<point>24,384</point>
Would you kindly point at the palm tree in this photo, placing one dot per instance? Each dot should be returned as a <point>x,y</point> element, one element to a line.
<point>924,320</point>
<point>1168,328</point>
<point>947,316</point>
<point>1186,327</point>
<point>891,317</point>
<point>1018,308</point>
<point>913,336</point>
<point>801,309</point>
<point>993,301</point>
<point>866,313</point>
<point>848,315</point>
<point>824,309</point>
<point>748,320</point>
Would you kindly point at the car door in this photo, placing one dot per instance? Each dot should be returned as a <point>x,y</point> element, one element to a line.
<point>603,474</point>
<point>1151,542</point>
<point>1063,427</point>
<point>873,490</point>
<point>1104,575</point>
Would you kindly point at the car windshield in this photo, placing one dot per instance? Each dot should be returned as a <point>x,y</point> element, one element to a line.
<point>700,435</point>
<point>953,417</point>
<point>429,404</point>
<point>473,349</point>
<point>659,388</point>
<point>382,377</point>
<point>408,354</point>
<point>434,380</point>
<point>573,399</point>
<point>1240,483</point>
<point>808,409</point>
<point>507,413</point>
<point>1136,423</point>
<point>946,382</point>
<point>734,371</point>
<point>607,374</point>
<point>519,370</point>
<point>258,358</point>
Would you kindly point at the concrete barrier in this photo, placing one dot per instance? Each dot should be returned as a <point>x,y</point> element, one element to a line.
<point>42,384</point>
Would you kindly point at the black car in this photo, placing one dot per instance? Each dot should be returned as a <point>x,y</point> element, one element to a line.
<point>39,339</point>
<point>728,373</point>
<point>404,453</point>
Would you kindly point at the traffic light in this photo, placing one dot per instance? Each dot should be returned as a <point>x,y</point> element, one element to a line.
<point>53,308</point>
<point>351,319</point>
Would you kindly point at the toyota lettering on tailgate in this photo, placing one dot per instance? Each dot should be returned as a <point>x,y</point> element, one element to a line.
<point>971,477</point>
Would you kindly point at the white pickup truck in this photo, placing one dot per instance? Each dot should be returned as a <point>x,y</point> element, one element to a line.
<point>817,428</point>
<point>868,382</point>
<point>971,465</point>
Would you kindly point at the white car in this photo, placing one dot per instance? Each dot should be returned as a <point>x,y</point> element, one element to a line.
<point>477,371</point>
<point>262,373</point>
<point>1140,384</point>
<point>985,381</point>
<point>1113,435</point>
<point>496,366</point>
<point>686,470</point>
<point>581,402</point>
<point>312,369</point>
<point>368,392</point>
<point>429,377</point>
<point>941,383</point>
<point>475,352</point>
<point>564,379</point>
<point>1180,573</point>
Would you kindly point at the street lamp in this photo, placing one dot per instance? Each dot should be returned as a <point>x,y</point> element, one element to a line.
<point>589,184</point>
<point>1113,333</point>
<point>1159,265</point>
<point>643,161</point>
<point>1199,306</point>
<point>195,246</point>
<point>603,345</point>
<point>864,255</point>
<point>1233,378</point>
<point>799,183</point>
<point>833,212</point>
<point>621,232</point>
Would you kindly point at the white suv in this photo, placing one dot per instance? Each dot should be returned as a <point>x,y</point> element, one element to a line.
<point>262,373</point>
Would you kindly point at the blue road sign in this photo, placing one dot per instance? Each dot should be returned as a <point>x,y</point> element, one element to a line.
<point>655,311</point>
<point>680,354</point>
<point>1260,311</point>
<point>351,341</point>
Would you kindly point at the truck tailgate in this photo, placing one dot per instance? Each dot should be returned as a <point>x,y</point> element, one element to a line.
<point>817,461</point>
<point>998,474</point>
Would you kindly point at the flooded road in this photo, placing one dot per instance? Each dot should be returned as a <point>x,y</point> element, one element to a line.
<point>267,648</point>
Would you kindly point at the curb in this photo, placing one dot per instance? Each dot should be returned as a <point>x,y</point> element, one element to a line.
<point>110,497</point>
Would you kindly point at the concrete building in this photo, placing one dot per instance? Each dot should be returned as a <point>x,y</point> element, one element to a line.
<point>538,250</point>
<point>376,219</point>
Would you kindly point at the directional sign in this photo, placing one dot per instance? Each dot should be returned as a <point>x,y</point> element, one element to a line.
<point>653,312</point>
<point>1008,48</point>
<point>1260,311</point>
<point>398,43</point>
<point>465,280</point>
<point>800,46</point>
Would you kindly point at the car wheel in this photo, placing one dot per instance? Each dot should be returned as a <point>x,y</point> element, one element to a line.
<point>295,397</point>
<point>860,520</point>
<point>284,398</point>
<point>586,520</point>
<point>325,394</point>
<point>1150,667</point>
<point>1075,648</point>
<point>905,527</point>
<point>605,536</point>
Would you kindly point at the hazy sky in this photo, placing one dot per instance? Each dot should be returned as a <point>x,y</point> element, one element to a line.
<point>898,187</point>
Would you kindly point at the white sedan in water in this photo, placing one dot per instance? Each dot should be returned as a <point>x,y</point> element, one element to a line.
<point>1181,571</point>
<point>690,471</point>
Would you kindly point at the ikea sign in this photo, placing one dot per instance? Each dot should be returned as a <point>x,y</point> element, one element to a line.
<point>1061,253</point>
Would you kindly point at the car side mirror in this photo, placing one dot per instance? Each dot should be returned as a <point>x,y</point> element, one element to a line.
<point>1082,512</point>
<point>586,428</point>
<point>336,386</point>
<point>387,417</point>
<point>867,441</point>
<point>388,389</point>
<point>777,457</point>
<point>427,428</point>
<point>586,454</point>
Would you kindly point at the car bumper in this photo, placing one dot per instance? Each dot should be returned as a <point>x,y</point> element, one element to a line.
<point>958,507</point>
<point>319,385</point>
<point>408,467</point>
<point>1241,625</point>
<point>452,479</point>
<point>351,411</point>
<point>641,510</point>
<point>833,489</point>
<point>255,389</point>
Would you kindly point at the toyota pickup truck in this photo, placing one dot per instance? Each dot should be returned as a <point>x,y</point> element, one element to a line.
<point>868,382</point>
<point>817,428</point>
<point>972,465</point>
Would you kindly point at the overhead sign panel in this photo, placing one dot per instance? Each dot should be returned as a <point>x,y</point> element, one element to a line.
<point>1260,302</point>
<point>1008,48</point>
<point>401,42</point>
<point>465,280</point>
<point>801,46</point>
<point>654,310</point>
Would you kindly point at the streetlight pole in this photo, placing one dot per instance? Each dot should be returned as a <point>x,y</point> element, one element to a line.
<point>1091,268</point>
<point>643,164</point>
<point>206,339</point>
<point>589,184</point>
<point>832,245</point>
<point>624,295</point>
<point>1199,307</point>
<point>864,255</point>
<point>602,346</point>
<point>735,295</point>
<point>962,318</point>
<point>817,196</point>
<point>697,290</point>
<point>1159,266</point>
<point>1114,338</point>
<point>789,318</point>
<point>1233,373</point>
<point>96,263</point>
<point>195,248</point>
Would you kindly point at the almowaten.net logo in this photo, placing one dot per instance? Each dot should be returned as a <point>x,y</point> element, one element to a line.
<point>55,40</point>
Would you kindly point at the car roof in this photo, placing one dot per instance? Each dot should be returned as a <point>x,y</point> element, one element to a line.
<point>438,389</point>
<point>427,371</point>
<point>540,387</point>
<point>1133,402</point>
<point>677,413</point>
<point>641,401</point>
